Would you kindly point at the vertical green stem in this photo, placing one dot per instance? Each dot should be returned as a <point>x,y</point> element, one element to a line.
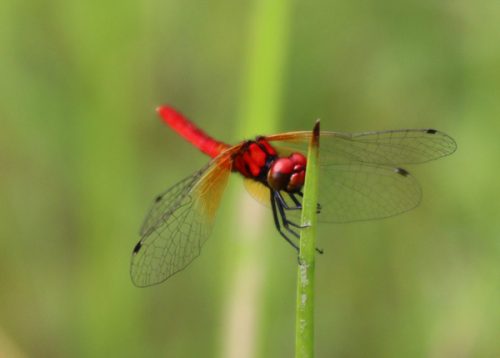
<point>259,113</point>
<point>262,90</point>
<point>304,330</point>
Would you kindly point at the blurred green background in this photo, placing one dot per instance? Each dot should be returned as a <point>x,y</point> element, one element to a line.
<point>82,154</point>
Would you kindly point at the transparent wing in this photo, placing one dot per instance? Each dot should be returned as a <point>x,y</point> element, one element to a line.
<point>355,192</point>
<point>394,147</point>
<point>178,224</point>
<point>258,191</point>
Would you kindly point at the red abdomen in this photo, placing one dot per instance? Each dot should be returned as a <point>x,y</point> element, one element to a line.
<point>190,132</point>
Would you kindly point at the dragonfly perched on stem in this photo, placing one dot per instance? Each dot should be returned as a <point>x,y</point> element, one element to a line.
<point>360,179</point>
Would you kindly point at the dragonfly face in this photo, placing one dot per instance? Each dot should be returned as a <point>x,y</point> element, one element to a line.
<point>288,174</point>
<point>361,178</point>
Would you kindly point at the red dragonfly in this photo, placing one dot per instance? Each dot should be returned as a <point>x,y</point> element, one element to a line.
<point>360,179</point>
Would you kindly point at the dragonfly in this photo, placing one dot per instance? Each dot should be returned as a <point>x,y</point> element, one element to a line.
<point>360,178</point>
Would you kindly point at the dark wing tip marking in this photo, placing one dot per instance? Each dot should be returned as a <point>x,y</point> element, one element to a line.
<point>402,172</point>
<point>137,248</point>
<point>431,131</point>
<point>179,223</point>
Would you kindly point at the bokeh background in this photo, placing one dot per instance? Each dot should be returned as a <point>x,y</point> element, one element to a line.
<point>82,154</point>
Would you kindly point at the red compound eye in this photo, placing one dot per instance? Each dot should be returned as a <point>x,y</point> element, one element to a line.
<point>288,173</point>
<point>296,181</point>
<point>298,159</point>
<point>283,166</point>
<point>279,174</point>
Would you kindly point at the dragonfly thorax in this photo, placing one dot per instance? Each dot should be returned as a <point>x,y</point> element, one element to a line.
<point>254,159</point>
<point>287,173</point>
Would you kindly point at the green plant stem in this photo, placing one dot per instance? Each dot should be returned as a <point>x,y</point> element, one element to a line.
<point>264,72</point>
<point>304,329</point>
<point>260,111</point>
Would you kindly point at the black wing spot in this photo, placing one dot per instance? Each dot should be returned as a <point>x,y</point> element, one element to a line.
<point>137,247</point>
<point>431,131</point>
<point>158,198</point>
<point>402,172</point>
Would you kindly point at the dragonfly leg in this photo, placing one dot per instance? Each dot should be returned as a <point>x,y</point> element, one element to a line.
<point>298,206</point>
<point>296,201</point>
<point>277,222</point>
<point>282,206</point>
<point>301,194</point>
<point>285,205</point>
<point>277,200</point>
<point>284,219</point>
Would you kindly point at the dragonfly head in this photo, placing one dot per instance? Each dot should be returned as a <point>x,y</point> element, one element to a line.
<point>288,173</point>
